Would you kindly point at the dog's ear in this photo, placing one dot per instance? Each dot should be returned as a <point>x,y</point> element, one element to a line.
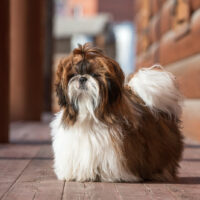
<point>115,80</point>
<point>118,72</point>
<point>58,85</point>
<point>114,90</point>
<point>115,70</point>
<point>61,96</point>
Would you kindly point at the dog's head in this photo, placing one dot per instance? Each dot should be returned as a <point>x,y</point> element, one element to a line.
<point>88,83</point>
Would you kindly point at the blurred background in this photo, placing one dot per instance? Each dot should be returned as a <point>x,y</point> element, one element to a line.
<point>36,34</point>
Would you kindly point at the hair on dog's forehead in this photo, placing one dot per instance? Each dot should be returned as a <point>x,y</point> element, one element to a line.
<point>90,60</point>
<point>83,67</point>
<point>84,57</point>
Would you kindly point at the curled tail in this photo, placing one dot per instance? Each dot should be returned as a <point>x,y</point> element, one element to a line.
<point>158,89</point>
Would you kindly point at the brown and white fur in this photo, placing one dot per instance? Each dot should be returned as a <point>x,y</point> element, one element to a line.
<point>111,131</point>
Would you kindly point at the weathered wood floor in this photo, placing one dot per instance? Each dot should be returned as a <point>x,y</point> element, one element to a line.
<point>26,173</point>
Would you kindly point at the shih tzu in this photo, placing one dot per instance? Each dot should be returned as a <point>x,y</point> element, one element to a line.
<point>111,131</point>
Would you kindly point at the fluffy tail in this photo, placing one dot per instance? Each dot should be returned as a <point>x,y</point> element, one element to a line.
<point>158,89</point>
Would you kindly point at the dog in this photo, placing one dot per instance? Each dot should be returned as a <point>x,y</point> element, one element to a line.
<point>111,131</point>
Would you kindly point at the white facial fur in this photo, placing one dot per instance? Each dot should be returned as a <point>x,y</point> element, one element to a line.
<point>85,100</point>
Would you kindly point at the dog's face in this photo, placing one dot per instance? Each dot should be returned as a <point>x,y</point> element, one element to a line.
<point>88,81</point>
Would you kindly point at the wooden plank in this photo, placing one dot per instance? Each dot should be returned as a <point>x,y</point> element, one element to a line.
<point>102,191</point>
<point>130,191</point>
<point>191,151</point>
<point>188,185</point>
<point>90,190</point>
<point>190,167</point>
<point>30,132</point>
<point>17,152</point>
<point>74,190</point>
<point>8,175</point>
<point>185,191</point>
<point>13,160</point>
<point>38,180</point>
<point>159,192</point>
<point>3,188</point>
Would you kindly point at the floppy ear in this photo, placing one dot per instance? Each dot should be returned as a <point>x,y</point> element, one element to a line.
<point>116,71</point>
<point>58,84</point>
<point>115,80</point>
<point>60,94</point>
<point>114,90</point>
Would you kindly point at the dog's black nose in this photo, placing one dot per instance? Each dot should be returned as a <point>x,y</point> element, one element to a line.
<point>82,80</point>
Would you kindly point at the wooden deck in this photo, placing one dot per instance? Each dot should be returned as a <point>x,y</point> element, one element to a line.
<point>26,173</point>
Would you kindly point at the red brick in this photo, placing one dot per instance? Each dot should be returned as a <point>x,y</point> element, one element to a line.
<point>142,43</point>
<point>194,4</point>
<point>191,119</point>
<point>166,16</point>
<point>136,6</point>
<point>138,22</point>
<point>181,15</point>
<point>89,7</point>
<point>161,2</point>
<point>187,72</point>
<point>154,33</point>
<point>155,6</point>
<point>120,9</point>
<point>144,14</point>
<point>173,49</point>
<point>148,58</point>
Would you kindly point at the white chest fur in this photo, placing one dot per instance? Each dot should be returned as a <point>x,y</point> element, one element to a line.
<point>86,151</point>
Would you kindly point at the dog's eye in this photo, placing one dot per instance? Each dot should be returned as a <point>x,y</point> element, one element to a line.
<point>70,76</point>
<point>95,75</point>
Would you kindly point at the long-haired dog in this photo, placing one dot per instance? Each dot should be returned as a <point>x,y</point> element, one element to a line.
<point>111,131</point>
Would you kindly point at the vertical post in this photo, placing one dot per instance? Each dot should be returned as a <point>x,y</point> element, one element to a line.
<point>48,55</point>
<point>27,59</point>
<point>4,71</point>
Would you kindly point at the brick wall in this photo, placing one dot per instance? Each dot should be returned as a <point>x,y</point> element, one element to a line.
<point>121,10</point>
<point>87,7</point>
<point>169,33</point>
